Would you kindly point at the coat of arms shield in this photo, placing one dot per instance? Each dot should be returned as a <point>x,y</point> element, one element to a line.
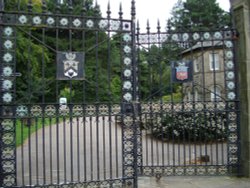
<point>70,66</point>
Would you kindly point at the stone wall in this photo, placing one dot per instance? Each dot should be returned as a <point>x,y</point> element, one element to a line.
<point>241,17</point>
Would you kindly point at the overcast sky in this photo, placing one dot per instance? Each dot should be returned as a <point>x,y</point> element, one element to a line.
<point>147,10</point>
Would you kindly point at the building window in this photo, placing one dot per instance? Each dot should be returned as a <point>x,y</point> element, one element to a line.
<point>196,95</point>
<point>189,96</point>
<point>196,65</point>
<point>61,1</point>
<point>214,61</point>
<point>215,93</point>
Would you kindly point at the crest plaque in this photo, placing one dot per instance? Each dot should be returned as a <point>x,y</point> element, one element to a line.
<point>182,71</point>
<point>70,65</point>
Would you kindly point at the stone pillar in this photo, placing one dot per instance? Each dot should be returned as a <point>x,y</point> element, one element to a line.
<point>241,18</point>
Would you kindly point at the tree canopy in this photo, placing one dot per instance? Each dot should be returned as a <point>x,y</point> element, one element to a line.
<point>198,14</point>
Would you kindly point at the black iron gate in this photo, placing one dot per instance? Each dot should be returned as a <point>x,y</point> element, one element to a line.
<point>189,102</point>
<point>88,101</point>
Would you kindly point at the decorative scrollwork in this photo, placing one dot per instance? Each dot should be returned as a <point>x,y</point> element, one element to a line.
<point>50,110</point>
<point>8,125</point>
<point>7,153</point>
<point>36,111</point>
<point>77,111</point>
<point>8,138</point>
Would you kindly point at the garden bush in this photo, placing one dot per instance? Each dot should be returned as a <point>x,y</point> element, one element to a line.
<point>189,126</point>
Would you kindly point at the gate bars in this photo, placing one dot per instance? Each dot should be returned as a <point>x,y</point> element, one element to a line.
<point>157,127</point>
<point>82,142</point>
<point>188,127</point>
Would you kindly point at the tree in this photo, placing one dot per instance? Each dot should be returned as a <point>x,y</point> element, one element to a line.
<point>197,15</point>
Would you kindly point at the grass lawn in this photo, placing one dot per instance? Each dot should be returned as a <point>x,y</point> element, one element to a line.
<point>23,130</point>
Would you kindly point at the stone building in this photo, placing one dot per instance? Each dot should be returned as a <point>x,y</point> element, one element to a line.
<point>208,72</point>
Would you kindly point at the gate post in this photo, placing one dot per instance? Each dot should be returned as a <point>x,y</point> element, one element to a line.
<point>241,18</point>
<point>1,108</point>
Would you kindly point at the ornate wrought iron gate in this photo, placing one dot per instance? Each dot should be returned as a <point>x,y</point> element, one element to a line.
<point>189,102</point>
<point>87,101</point>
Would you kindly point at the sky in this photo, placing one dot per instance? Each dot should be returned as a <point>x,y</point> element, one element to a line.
<point>147,10</point>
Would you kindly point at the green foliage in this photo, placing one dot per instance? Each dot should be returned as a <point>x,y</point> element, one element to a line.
<point>198,14</point>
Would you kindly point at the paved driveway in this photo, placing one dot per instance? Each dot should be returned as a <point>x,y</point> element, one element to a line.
<point>91,149</point>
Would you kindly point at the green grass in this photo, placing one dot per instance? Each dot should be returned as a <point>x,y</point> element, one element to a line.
<point>23,130</point>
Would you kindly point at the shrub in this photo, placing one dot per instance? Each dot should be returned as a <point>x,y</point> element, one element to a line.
<point>189,126</point>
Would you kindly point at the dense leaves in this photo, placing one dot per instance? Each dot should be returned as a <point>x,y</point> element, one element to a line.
<point>37,49</point>
<point>189,127</point>
<point>198,14</point>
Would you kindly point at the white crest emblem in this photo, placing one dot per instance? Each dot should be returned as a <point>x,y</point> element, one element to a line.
<point>70,65</point>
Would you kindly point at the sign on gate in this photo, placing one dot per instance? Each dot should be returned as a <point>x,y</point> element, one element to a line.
<point>182,71</point>
<point>70,65</point>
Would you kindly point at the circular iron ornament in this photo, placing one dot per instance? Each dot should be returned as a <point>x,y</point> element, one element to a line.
<point>232,116</point>
<point>23,19</point>
<point>50,21</point>
<point>7,97</point>
<point>36,111</point>
<point>127,61</point>
<point>185,37</point>
<point>90,24</point>
<point>77,22</point>
<point>127,97</point>
<point>127,73</point>
<point>8,31</point>
<point>211,170</point>
<point>231,96</point>
<point>115,25</point>
<point>22,111</point>
<point>206,35</point>
<point>37,20</point>
<point>8,166</point>
<point>90,109</point>
<point>229,44</point>
<point>7,84</point>
<point>64,21</point>
<point>127,49</point>
<point>7,125</point>
<point>7,71</point>
<point>64,110</point>
<point>8,138</point>
<point>7,153</point>
<point>116,109</point>
<point>129,145</point>
<point>8,44</point>
<point>103,24</point>
<point>230,65</point>
<point>230,75</point>
<point>175,37</point>
<point>232,127</point>
<point>50,110</point>
<point>233,137</point>
<point>233,148</point>
<point>196,36</point>
<point>217,35</point>
<point>77,110</point>
<point>103,109</point>
<point>229,54</point>
<point>127,85</point>
<point>230,85</point>
<point>7,57</point>
<point>9,181</point>
<point>127,37</point>
<point>128,121</point>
